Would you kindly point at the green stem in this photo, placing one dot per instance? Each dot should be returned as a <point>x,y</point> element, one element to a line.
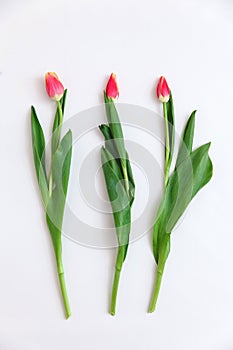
<point>50,182</point>
<point>166,173</point>
<point>125,174</point>
<point>64,294</point>
<point>156,291</point>
<point>119,263</point>
<point>60,114</point>
<point>114,291</point>
<point>58,133</point>
<point>167,145</point>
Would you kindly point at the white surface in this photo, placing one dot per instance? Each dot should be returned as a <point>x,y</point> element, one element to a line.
<point>191,43</point>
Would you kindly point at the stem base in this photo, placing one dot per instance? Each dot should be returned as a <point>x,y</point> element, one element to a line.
<point>155,292</point>
<point>64,294</point>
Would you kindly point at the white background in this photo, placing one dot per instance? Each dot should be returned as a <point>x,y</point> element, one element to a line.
<point>83,41</point>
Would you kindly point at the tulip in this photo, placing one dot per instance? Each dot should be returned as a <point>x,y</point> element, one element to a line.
<point>163,91</point>
<point>112,88</point>
<point>54,87</point>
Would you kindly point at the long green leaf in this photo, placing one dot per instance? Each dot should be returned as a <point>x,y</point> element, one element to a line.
<point>113,163</point>
<point>120,186</point>
<point>61,163</point>
<point>186,142</point>
<point>55,234</point>
<point>171,125</point>
<point>109,141</point>
<point>119,201</point>
<point>115,127</point>
<point>111,147</point>
<point>202,168</point>
<point>38,146</point>
<point>131,180</point>
<point>60,169</point>
<point>185,182</point>
<point>191,175</point>
<point>56,123</point>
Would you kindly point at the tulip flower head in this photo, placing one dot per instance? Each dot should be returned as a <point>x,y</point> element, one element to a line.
<point>54,87</point>
<point>112,88</point>
<point>163,91</point>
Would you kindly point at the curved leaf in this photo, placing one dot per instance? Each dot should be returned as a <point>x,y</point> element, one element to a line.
<point>109,141</point>
<point>38,146</point>
<point>131,180</point>
<point>56,204</point>
<point>171,126</point>
<point>55,234</point>
<point>186,142</point>
<point>115,127</point>
<point>61,163</point>
<point>191,175</point>
<point>111,147</point>
<point>113,163</point>
<point>119,201</point>
<point>56,123</point>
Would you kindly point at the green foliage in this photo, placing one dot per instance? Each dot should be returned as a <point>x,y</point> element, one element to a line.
<point>111,156</point>
<point>115,127</point>
<point>171,126</point>
<point>38,146</point>
<point>56,204</point>
<point>57,123</point>
<point>120,185</point>
<point>54,187</point>
<point>193,171</point>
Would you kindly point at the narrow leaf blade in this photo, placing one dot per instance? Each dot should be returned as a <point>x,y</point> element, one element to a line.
<point>115,127</point>
<point>56,123</point>
<point>171,125</point>
<point>38,146</point>
<point>119,201</point>
<point>186,143</point>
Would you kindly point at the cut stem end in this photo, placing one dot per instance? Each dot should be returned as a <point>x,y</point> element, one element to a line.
<point>114,292</point>
<point>155,292</point>
<point>64,295</point>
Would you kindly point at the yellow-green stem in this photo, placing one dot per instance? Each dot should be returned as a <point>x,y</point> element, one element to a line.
<point>114,291</point>
<point>119,262</point>
<point>64,294</point>
<point>155,292</point>
<point>167,145</point>
<point>125,174</point>
<point>60,114</point>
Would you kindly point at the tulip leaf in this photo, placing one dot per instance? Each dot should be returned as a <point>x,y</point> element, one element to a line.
<point>61,162</point>
<point>109,142</point>
<point>120,186</point>
<point>119,200</point>
<point>114,164</point>
<point>115,127</point>
<point>57,122</point>
<point>60,169</point>
<point>202,168</point>
<point>111,147</point>
<point>54,188</point>
<point>187,179</point>
<point>186,143</point>
<point>55,234</point>
<point>131,180</point>
<point>193,170</point>
<point>163,251</point>
<point>38,145</point>
<point>171,126</point>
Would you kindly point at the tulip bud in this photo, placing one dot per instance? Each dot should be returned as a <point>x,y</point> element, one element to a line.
<point>54,87</point>
<point>112,88</point>
<point>163,91</point>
